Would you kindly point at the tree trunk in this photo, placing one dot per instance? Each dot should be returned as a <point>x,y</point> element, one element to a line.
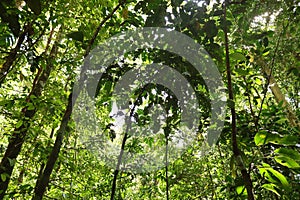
<point>236,151</point>
<point>43,182</point>
<point>279,96</point>
<point>19,134</point>
<point>12,56</point>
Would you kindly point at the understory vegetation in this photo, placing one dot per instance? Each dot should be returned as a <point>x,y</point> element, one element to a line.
<point>255,46</point>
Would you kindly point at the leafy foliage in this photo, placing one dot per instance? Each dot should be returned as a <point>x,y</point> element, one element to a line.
<point>42,44</point>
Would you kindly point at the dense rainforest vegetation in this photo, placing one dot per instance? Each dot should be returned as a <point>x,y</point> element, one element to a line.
<point>45,47</point>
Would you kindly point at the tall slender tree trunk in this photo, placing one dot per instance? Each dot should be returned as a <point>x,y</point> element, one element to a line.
<point>44,179</point>
<point>19,134</point>
<point>279,96</point>
<point>12,56</point>
<point>235,148</point>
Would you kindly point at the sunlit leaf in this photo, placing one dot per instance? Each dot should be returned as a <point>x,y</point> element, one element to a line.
<point>271,187</point>
<point>295,155</point>
<point>287,161</point>
<point>274,176</point>
<point>260,138</point>
<point>241,190</point>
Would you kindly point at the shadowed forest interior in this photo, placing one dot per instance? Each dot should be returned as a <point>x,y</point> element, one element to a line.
<point>50,147</point>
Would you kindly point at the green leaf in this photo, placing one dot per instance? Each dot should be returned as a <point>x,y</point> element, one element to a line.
<point>287,161</point>
<point>280,177</point>
<point>149,141</point>
<point>295,155</point>
<point>289,140</point>
<point>266,53</point>
<point>32,97</point>
<point>274,176</point>
<point>3,177</point>
<point>271,187</point>
<point>30,106</point>
<point>261,137</point>
<point>241,190</point>
<point>288,157</point>
<point>258,81</point>
<point>35,6</point>
<point>281,121</point>
<point>265,137</point>
<point>19,124</point>
<point>25,187</point>
<point>11,161</point>
<point>77,35</point>
<point>238,56</point>
<point>4,102</point>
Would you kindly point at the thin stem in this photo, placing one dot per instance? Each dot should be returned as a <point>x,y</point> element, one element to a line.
<point>270,74</point>
<point>166,163</point>
<point>236,151</point>
<point>128,123</point>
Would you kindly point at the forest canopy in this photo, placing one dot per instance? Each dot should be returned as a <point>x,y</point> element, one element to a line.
<point>150,99</point>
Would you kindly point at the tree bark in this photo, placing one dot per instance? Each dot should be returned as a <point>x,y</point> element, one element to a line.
<point>12,56</point>
<point>19,134</point>
<point>43,182</point>
<point>278,94</point>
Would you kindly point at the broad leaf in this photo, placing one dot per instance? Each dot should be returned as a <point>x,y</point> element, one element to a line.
<point>274,176</point>
<point>295,155</point>
<point>287,161</point>
<point>241,190</point>
<point>271,187</point>
<point>288,157</point>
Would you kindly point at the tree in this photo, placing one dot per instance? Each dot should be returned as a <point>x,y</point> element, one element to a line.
<point>44,47</point>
